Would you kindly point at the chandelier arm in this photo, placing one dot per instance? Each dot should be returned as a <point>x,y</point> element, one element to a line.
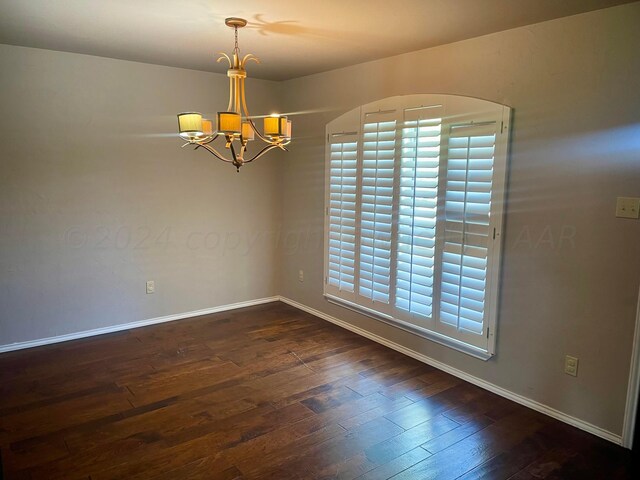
<point>224,55</point>
<point>239,87</point>
<point>209,140</point>
<point>206,140</point>
<point>214,152</point>
<point>233,152</point>
<point>229,108</point>
<point>262,152</point>
<point>248,117</point>
<point>255,129</point>
<point>247,57</point>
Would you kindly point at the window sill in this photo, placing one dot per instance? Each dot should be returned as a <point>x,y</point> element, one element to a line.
<point>415,330</point>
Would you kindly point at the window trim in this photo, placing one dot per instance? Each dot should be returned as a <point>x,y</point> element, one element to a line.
<point>412,328</point>
<point>351,123</point>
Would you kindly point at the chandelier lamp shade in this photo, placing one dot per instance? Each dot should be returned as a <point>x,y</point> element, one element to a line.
<point>235,125</point>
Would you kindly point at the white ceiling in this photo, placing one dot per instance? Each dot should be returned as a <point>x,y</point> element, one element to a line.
<point>292,37</point>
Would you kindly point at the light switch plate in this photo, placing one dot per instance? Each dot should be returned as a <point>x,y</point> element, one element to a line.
<point>628,207</point>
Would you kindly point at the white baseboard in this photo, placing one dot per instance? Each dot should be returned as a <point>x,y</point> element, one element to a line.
<point>527,402</point>
<point>126,326</point>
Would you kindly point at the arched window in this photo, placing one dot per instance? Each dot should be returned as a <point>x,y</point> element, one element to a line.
<point>414,207</point>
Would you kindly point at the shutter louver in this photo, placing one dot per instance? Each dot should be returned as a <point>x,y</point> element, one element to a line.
<point>467,215</point>
<point>342,212</point>
<point>417,204</point>
<point>378,153</point>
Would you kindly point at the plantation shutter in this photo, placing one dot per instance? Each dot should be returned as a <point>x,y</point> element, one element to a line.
<point>414,206</point>
<point>469,176</point>
<point>376,204</point>
<point>342,210</point>
<point>417,209</point>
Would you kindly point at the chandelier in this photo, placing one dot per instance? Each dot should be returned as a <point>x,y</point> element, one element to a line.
<point>236,124</point>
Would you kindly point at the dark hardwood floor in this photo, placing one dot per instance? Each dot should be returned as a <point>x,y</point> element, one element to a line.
<point>269,392</point>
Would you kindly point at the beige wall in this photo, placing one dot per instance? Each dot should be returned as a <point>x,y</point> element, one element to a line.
<point>96,197</point>
<point>571,269</point>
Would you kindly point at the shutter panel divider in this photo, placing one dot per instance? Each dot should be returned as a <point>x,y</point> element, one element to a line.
<point>358,208</point>
<point>395,209</point>
<point>440,217</point>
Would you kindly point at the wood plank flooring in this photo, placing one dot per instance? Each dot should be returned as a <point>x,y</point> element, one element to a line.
<point>269,392</point>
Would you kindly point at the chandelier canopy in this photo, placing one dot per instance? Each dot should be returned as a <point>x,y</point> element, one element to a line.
<point>236,124</point>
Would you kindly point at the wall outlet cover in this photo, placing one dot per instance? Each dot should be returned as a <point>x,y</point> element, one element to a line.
<point>571,366</point>
<point>628,207</point>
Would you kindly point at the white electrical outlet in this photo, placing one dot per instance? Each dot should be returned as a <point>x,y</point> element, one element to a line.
<point>151,286</point>
<point>301,275</point>
<point>571,365</point>
<point>628,207</point>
